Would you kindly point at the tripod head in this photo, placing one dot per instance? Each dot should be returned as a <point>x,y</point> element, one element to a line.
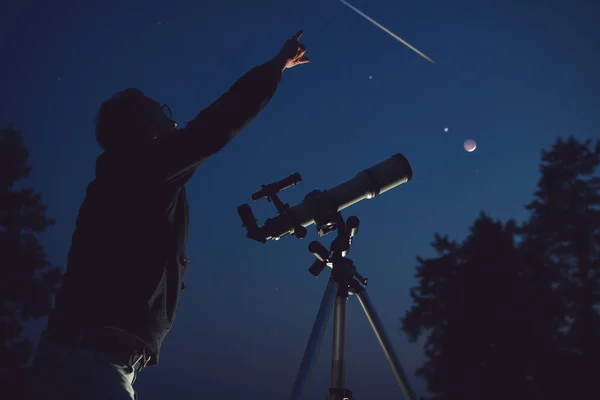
<point>335,257</point>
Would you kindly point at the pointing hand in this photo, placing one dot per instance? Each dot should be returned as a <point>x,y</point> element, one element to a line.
<point>292,53</point>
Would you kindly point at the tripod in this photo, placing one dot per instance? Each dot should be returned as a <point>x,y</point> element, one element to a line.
<point>344,281</point>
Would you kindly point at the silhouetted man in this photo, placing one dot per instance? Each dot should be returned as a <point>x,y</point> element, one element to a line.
<point>126,264</point>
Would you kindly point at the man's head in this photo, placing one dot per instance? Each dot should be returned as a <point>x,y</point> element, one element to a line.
<point>129,118</point>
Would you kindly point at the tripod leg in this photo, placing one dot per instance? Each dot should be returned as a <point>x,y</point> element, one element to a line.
<point>338,359</point>
<point>314,340</point>
<point>385,343</point>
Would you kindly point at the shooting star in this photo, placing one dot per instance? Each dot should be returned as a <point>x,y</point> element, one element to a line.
<point>386,30</point>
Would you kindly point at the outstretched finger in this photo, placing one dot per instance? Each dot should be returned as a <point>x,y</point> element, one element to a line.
<point>303,60</point>
<point>297,36</point>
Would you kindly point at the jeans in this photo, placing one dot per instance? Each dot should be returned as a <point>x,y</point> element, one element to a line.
<point>72,373</point>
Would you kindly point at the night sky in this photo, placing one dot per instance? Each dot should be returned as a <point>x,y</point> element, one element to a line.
<point>512,75</point>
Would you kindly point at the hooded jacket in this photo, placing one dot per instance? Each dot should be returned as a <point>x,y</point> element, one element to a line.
<point>127,262</point>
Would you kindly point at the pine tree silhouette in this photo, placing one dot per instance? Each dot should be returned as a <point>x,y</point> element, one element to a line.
<point>565,226</point>
<point>512,311</point>
<point>27,280</point>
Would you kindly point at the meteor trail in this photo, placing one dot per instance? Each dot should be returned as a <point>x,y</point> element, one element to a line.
<point>386,30</point>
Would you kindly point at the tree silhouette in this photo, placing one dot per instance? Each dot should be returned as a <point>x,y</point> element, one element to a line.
<point>565,226</point>
<point>27,280</point>
<point>512,311</point>
<point>473,301</point>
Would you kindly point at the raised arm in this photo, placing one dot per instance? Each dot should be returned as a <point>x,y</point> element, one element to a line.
<point>219,123</point>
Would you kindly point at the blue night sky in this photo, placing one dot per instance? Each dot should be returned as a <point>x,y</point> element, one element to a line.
<point>512,75</point>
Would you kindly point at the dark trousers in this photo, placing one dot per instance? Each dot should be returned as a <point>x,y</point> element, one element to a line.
<point>73,372</point>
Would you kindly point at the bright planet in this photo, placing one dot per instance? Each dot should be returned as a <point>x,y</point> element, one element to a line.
<point>470,145</point>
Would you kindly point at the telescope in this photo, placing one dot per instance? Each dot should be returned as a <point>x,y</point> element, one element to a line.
<point>321,207</point>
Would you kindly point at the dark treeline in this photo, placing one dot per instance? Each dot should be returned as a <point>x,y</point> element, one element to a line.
<point>512,311</point>
<point>27,280</point>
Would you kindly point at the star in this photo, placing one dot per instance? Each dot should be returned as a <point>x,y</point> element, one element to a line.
<point>370,77</point>
<point>445,129</point>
